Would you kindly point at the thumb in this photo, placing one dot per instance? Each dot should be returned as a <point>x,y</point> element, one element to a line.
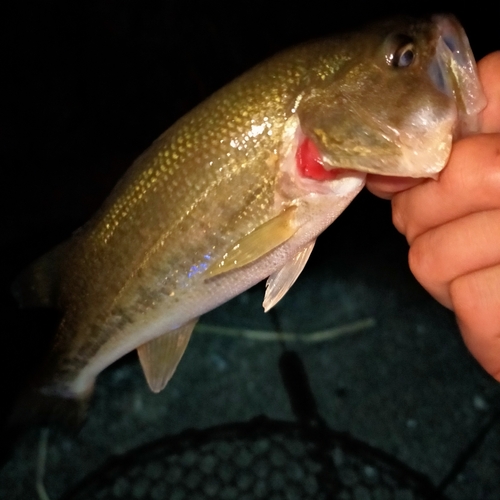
<point>386,186</point>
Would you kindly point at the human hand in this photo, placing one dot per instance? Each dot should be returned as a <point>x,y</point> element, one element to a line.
<point>453,227</point>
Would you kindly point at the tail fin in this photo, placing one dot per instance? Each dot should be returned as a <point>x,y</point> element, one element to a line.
<point>37,407</point>
<point>38,284</point>
<point>33,409</point>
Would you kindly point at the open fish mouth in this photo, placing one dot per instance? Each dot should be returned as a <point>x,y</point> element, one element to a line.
<point>454,73</point>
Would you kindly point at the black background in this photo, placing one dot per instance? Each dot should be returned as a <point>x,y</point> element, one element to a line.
<point>87,86</point>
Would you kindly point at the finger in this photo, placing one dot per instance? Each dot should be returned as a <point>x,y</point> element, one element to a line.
<point>460,247</point>
<point>489,74</point>
<point>469,183</point>
<point>386,186</point>
<point>477,305</point>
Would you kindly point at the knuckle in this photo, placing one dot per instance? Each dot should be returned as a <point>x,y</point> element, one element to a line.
<point>420,261</point>
<point>484,153</point>
<point>489,152</point>
<point>493,59</point>
<point>492,171</point>
<point>461,299</point>
<point>398,218</point>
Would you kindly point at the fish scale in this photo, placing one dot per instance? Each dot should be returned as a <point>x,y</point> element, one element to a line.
<point>218,202</point>
<point>181,207</point>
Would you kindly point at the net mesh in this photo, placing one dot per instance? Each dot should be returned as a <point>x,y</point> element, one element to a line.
<point>261,459</point>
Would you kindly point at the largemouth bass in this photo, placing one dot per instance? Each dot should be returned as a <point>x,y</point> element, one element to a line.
<point>239,188</point>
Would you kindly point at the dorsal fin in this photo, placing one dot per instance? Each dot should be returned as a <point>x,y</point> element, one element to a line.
<point>38,284</point>
<point>159,357</point>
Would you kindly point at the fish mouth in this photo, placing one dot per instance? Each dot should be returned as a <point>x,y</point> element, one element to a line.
<point>423,143</point>
<point>454,73</point>
<point>436,102</point>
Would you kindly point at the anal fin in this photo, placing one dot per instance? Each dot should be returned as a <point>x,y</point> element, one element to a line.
<point>260,241</point>
<point>281,281</point>
<point>159,357</point>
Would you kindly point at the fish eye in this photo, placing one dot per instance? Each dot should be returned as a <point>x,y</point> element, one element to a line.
<point>401,51</point>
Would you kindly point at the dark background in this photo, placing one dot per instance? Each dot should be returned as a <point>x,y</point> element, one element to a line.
<point>87,86</point>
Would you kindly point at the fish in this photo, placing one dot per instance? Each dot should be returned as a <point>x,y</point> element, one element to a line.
<point>238,189</point>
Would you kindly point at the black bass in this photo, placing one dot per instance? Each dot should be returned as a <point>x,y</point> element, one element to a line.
<point>239,188</point>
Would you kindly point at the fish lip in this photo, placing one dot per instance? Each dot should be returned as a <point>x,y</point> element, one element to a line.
<point>454,72</point>
<point>342,170</point>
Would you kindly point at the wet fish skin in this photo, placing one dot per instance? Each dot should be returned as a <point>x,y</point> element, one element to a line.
<point>155,256</point>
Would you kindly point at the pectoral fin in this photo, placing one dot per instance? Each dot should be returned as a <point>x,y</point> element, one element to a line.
<point>159,357</point>
<point>260,241</point>
<point>280,282</point>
